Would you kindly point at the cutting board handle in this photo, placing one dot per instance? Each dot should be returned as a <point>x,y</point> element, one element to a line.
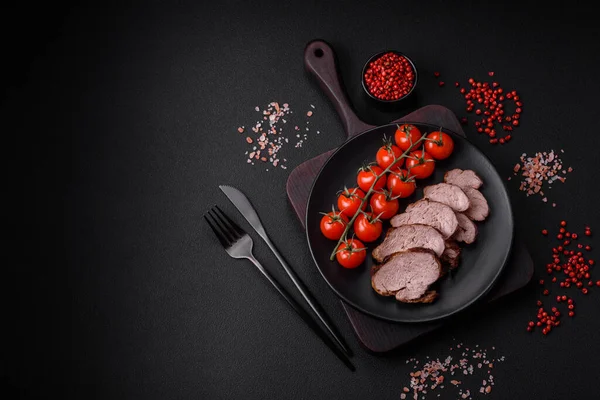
<point>319,60</point>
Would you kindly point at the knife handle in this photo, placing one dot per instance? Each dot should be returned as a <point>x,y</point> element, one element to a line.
<point>309,298</point>
<point>304,315</point>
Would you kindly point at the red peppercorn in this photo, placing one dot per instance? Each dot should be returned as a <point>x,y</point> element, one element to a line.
<point>559,236</point>
<point>564,298</point>
<point>563,223</point>
<point>562,230</point>
<point>588,247</point>
<point>584,291</point>
<point>598,283</point>
<point>545,292</point>
<point>571,314</point>
<point>574,236</point>
<point>541,281</point>
<point>591,262</point>
<point>389,77</point>
<point>544,232</point>
<point>441,83</point>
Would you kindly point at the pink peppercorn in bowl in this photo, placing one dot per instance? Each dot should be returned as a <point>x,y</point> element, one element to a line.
<point>389,77</point>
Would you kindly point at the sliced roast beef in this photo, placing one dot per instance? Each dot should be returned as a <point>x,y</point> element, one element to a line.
<point>448,194</point>
<point>407,275</point>
<point>427,212</point>
<point>409,237</point>
<point>479,209</point>
<point>451,254</point>
<point>463,178</point>
<point>466,231</point>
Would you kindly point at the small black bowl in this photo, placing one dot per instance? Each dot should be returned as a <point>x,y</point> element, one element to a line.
<point>388,102</point>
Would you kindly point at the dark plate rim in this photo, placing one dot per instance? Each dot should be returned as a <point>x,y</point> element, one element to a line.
<point>468,304</point>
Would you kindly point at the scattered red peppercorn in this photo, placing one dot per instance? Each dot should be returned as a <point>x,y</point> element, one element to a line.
<point>573,270</point>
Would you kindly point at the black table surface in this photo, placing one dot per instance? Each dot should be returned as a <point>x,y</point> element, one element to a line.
<point>125,121</point>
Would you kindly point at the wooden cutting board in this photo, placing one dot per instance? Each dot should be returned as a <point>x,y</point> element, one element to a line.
<point>375,334</point>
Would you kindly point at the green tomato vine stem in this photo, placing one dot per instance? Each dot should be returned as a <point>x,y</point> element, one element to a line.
<point>343,238</point>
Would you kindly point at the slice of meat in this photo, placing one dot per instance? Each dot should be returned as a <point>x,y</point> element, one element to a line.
<point>408,237</point>
<point>450,195</point>
<point>407,275</point>
<point>451,254</point>
<point>466,231</point>
<point>463,178</point>
<point>428,297</point>
<point>479,209</point>
<point>427,212</point>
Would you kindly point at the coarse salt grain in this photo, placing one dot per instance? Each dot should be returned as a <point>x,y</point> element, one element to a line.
<point>433,372</point>
<point>542,168</point>
<point>270,136</point>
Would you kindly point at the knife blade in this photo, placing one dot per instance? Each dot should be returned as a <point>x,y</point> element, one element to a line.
<point>241,202</point>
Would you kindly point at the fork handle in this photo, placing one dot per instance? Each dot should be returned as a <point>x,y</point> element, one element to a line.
<point>314,305</point>
<point>304,315</point>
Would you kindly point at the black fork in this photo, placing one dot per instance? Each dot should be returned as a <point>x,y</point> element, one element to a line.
<point>238,244</point>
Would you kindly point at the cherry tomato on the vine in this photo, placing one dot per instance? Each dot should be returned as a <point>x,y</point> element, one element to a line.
<point>333,224</point>
<point>384,204</point>
<point>351,253</point>
<point>401,184</point>
<point>349,200</point>
<point>367,175</point>
<point>420,164</point>
<point>439,145</point>
<point>406,136</point>
<point>389,154</point>
<point>367,227</point>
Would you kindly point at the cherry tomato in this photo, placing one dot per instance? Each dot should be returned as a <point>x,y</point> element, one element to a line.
<point>440,145</point>
<point>367,175</point>
<point>333,224</point>
<point>349,201</point>
<point>367,227</point>
<point>407,135</point>
<point>420,164</point>
<point>388,154</point>
<point>351,253</point>
<point>400,184</point>
<point>384,205</point>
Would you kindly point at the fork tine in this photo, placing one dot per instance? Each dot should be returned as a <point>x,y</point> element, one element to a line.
<point>219,221</point>
<point>233,227</point>
<point>217,232</point>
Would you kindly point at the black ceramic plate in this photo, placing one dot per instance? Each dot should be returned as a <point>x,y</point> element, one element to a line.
<point>481,262</point>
